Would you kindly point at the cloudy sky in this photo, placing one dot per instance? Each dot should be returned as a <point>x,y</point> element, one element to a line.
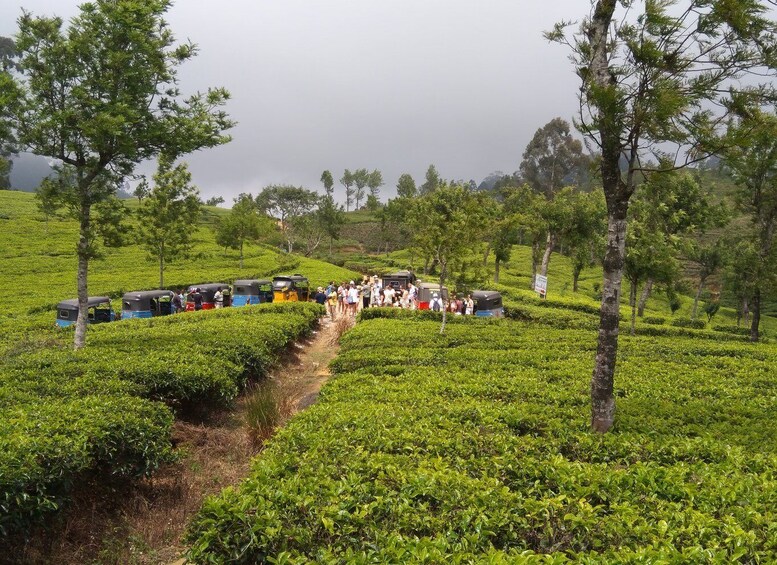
<point>393,85</point>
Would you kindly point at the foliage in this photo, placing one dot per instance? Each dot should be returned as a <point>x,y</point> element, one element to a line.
<point>290,204</point>
<point>347,181</point>
<point>328,182</point>
<point>168,215</point>
<point>474,446</point>
<point>243,224</point>
<point>406,186</point>
<point>431,182</point>
<point>100,99</point>
<point>552,158</point>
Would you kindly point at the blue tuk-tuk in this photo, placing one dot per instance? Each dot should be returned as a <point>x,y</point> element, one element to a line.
<point>488,303</point>
<point>147,304</point>
<point>99,309</point>
<point>251,291</point>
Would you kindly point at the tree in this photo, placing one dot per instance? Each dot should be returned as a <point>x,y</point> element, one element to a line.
<point>102,96</point>
<point>214,201</point>
<point>347,181</point>
<point>141,191</point>
<point>447,226</point>
<point>332,218</point>
<point>752,159</point>
<point>328,182</point>
<point>9,97</point>
<point>168,216</point>
<point>660,76</point>
<point>361,177</point>
<point>552,158</point>
<point>288,204</point>
<point>583,239</point>
<point>709,258</point>
<point>406,186</point>
<point>243,224</point>
<point>374,182</point>
<point>432,181</point>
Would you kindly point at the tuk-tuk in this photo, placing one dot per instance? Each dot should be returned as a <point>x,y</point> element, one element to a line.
<point>147,304</point>
<point>293,288</point>
<point>399,280</point>
<point>100,311</point>
<point>426,291</point>
<point>206,291</point>
<point>488,303</point>
<point>251,292</point>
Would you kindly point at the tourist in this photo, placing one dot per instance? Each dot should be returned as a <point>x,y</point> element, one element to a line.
<point>218,298</point>
<point>320,296</point>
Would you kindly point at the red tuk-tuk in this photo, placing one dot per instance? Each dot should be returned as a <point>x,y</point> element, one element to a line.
<point>206,293</point>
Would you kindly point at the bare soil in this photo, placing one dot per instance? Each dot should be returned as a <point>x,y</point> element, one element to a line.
<point>142,522</point>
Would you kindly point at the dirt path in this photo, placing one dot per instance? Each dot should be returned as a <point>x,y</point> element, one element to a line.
<point>145,522</point>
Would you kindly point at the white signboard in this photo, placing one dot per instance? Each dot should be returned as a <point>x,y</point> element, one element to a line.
<point>541,285</point>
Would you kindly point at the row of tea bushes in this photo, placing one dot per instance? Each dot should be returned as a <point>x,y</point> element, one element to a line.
<point>474,446</point>
<point>66,414</point>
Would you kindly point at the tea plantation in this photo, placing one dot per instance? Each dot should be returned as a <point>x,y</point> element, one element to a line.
<point>107,410</point>
<point>474,447</point>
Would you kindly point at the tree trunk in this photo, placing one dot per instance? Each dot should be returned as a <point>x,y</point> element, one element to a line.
<point>550,242</point>
<point>696,299</point>
<point>426,266</point>
<point>745,310</point>
<point>534,253</point>
<point>161,271</point>
<point>443,272</point>
<point>602,398</point>
<point>645,295</point>
<point>496,271</point>
<point>486,253</point>
<point>241,255</point>
<point>633,304</point>
<point>79,340</point>
<point>756,309</point>
<point>577,269</point>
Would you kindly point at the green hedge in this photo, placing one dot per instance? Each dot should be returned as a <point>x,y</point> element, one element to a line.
<point>474,446</point>
<point>65,413</point>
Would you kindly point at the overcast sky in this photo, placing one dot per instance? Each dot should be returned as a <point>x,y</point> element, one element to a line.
<point>393,85</point>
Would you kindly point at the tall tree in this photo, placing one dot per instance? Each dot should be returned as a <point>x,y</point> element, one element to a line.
<point>374,182</point>
<point>168,215</point>
<point>102,95</point>
<point>406,186</point>
<point>288,204</point>
<point>347,181</point>
<point>328,182</point>
<point>447,225</point>
<point>657,73</point>
<point>709,257</point>
<point>332,218</point>
<point>552,158</point>
<point>583,240</point>
<point>361,177</point>
<point>432,181</point>
<point>9,97</point>
<point>752,160</point>
<point>214,201</point>
<point>242,225</point>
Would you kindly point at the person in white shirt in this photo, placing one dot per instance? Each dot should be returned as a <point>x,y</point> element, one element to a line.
<point>352,298</point>
<point>218,298</point>
<point>436,303</point>
<point>412,294</point>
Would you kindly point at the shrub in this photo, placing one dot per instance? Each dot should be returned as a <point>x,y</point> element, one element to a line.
<point>654,320</point>
<point>688,323</point>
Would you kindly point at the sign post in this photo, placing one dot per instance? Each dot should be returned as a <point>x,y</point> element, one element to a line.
<point>541,285</point>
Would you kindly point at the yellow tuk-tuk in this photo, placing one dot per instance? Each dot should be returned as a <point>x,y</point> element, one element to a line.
<point>290,288</point>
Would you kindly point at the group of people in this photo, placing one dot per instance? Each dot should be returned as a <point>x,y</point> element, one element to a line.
<point>349,297</point>
<point>221,299</point>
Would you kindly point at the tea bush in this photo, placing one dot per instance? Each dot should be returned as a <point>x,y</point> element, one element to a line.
<point>66,413</point>
<point>474,446</point>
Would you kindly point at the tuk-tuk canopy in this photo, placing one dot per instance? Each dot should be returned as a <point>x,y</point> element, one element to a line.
<point>487,299</point>
<point>141,300</point>
<point>249,287</point>
<point>399,279</point>
<point>288,281</point>
<point>208,290</point>
<point>92,301</point>
<point>426,290</point>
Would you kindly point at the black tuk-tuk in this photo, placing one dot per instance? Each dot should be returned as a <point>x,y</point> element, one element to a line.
<point>488,303</point>
<point>99,311</point>
<point>147,304</point>
<point>251,292</point>
<point>399,280</point>
<point>206,292</point>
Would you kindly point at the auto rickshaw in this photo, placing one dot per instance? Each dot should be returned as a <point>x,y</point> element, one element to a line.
<point>147,304</point>
<point>399,280</point>
<point>252,292</point>
<point>100,311</point>
<point>293,288</point>
<point>488,303</point>
<point>206,291</point>
<point>425,292</point>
